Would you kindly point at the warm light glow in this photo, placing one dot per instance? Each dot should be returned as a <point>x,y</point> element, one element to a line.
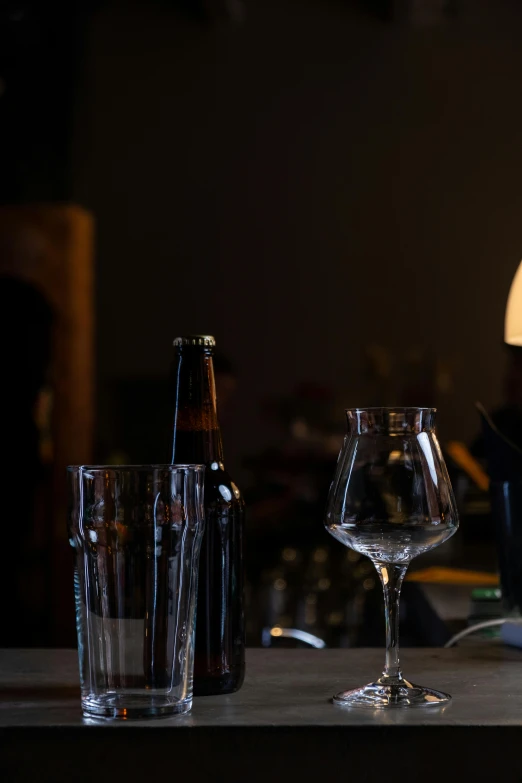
<point>513,322</point>
<point>276,631</point>
<point>320,555</point>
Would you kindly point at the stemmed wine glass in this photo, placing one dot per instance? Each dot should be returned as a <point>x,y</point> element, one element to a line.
<point>391,499</point>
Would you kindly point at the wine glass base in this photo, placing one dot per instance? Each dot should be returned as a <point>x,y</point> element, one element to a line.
<point>383,695</point>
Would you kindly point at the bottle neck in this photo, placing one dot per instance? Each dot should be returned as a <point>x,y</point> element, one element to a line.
<point>196,433</point>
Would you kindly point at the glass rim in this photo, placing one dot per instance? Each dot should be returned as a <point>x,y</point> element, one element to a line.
<point>391,409</point>
<point>172,467</point>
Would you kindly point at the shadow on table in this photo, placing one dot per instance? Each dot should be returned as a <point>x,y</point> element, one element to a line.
<point>40,693</point>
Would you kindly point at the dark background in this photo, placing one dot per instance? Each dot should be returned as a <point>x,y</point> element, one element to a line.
<point>331,188</point>
<point>302,184</point>
<point>302,179</point>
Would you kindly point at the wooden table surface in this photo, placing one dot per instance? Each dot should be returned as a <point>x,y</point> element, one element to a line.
<point>280,726</point>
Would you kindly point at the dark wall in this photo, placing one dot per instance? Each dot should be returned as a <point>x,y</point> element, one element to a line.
<point>301,185</point>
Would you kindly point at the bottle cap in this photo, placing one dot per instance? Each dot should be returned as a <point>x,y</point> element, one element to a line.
<point>195,339</point>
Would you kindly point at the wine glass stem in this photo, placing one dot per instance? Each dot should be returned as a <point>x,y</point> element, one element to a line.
<point>391,576</point>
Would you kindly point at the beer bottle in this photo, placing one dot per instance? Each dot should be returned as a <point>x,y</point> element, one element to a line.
<point>219,659</point>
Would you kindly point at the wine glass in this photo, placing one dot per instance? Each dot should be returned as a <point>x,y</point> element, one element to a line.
<point>391,499</point>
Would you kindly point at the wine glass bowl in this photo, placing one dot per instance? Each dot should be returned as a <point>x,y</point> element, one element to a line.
<point>391,499</point>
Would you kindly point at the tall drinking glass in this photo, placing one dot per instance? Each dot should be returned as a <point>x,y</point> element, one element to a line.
<point>136,532</point>
<point>391,499</point>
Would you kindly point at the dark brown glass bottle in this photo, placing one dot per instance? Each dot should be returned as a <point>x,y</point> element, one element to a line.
<point>219,660</point>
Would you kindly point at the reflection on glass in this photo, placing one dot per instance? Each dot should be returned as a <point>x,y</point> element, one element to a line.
<point>391,500</point>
